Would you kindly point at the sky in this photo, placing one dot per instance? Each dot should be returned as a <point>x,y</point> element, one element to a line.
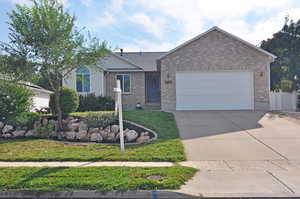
<point>161,25</point>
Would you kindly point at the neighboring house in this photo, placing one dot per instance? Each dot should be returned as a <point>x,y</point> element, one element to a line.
<point>213,71</point>
<point>41,96</point>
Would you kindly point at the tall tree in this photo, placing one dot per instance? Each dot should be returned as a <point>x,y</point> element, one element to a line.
<point>44,42</point>
<point>285,44</point>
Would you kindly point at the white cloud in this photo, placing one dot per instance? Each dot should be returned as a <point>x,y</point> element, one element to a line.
<point>154,25</point>
<point>101,21</point>
<point>261,30</point>
<point>21,2</point>
<point>146,45</point>
<point>30,2</point>
<point>116,5</point>
<point>196,15</point>
<point>87,3</point>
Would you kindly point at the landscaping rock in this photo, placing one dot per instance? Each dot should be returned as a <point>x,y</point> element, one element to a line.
<point>82,126</point>
<point>104,134</point>
<point>93,130</point>
<point>96,137</point>
<point>30,133</point>
<point>73,126</point>
<point>114,128</point>
<point>7,129</point>
<point>130,135</point>
<point>44,121</point>
<point>18,133</point>
<point>7,135</point>
<point>70,135</point>
<point>110,137</point>
<point>36,124</point>
<point>1,125</point>
<point>82,135</point>
<point>143,138</point>
<point>107,129</point>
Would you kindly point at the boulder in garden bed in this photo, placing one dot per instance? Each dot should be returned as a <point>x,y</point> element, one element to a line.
<point>1,125</point>
<point>82,136</point>
<point>30,133</point>
<point>7,129</point>
<point>96,137</point>
<point>18,133</point>
<point>144,137</point>
<point>114,128</point>
<point>130,135</point>
<point>70,135</point>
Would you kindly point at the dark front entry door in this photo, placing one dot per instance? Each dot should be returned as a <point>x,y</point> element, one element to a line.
<point>152,81</point>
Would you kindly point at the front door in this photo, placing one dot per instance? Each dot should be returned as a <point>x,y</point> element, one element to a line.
<point>152,83</point>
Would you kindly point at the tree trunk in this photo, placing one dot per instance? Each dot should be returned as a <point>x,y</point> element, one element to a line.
<point>58,111</point>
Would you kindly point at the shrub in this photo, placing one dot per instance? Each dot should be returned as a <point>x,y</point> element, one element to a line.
<point>96,120</point>
<point>286,85</point>
<point>91,102</point>
<point>69,101</point>
<point>15,99</point>
<point>45,131</point>
<point>26,119</point>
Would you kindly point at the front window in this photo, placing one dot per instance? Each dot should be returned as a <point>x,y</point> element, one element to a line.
<point>83,79</point>
<point>125,82</point>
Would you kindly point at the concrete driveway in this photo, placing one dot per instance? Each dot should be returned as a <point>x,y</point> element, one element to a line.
<point>238,135</point>
<point>240,153</point>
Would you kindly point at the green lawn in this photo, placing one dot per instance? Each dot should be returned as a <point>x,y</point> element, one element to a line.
<point>92,178</point>
<point>167,148</point>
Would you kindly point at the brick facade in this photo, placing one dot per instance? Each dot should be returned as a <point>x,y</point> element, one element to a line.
<point>216,51</point>
<point>137,90</point>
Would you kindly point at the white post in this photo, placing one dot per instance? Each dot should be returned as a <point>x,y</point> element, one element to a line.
<point>119,101</point>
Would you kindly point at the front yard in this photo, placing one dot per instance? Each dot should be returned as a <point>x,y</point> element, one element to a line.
<point>93,178</point>
<point>168,147</point>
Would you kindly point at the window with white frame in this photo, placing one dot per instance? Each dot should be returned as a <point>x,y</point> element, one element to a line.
<point>125,82</point>
<point>83,80</point>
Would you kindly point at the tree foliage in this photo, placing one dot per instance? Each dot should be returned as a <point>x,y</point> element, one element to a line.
<point>285,44</point>
<point>44,42</point>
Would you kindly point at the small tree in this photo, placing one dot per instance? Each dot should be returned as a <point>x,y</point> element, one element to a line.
<point>45,42</point>
<point>15,99</point>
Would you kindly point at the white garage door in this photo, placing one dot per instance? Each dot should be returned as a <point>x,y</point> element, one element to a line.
<point>214,91</point>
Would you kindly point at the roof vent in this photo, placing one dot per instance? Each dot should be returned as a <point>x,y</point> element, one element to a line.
<point>121,50</point>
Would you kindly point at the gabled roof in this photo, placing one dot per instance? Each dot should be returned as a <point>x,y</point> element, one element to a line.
<point>107,65</point>
<point>36,87</point>
<point>146,60</point>
<point>215,28</point>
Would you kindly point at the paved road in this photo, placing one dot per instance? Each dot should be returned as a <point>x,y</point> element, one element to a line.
<point>241,153</point>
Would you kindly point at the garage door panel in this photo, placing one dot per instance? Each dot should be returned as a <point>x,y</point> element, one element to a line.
<point>214,91</point>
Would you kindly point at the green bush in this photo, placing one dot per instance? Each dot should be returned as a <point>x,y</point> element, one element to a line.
<point>15,99</point>
<point>69,101</point>
<point>45,131</point>
<point>96,120</point>
<point>91,102</point>
<point>26,119</point>
<point>286,85</point>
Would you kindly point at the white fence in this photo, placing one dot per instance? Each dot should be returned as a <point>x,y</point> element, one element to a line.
<point>282,101</point>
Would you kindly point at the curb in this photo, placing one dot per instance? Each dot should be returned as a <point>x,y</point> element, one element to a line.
<point>94,194</point>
